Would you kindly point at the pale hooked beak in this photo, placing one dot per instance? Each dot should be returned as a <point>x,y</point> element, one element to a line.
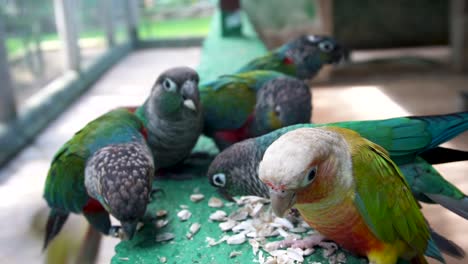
<point>190,104</point>
<point>282,201</point>
<point>190,94</point>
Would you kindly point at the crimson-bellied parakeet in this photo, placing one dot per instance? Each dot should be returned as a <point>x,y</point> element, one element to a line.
<point>240,106</point>
<point>172,116</point>
<point>349,190</point>
<point>105,168</point>
<point>234,171</point>
<point>302,57</point>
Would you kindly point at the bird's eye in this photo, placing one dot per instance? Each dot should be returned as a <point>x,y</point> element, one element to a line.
<point>310,176</point>
<point>219,179</point>
<point>277,110</point>
<point>326,46</point>
<point>169,85</point>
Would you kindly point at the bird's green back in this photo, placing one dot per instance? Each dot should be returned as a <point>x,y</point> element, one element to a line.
<point>64,187</point>
<point>229,100</point>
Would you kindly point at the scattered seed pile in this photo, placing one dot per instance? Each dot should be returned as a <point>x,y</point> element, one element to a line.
<point>271,238</point>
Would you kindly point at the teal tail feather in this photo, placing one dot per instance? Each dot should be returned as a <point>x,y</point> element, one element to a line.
<point>54,224</point>
<point>444,127</point>
<point>439,243</point>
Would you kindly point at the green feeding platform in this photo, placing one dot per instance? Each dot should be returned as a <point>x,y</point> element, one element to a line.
<point>220,56</point>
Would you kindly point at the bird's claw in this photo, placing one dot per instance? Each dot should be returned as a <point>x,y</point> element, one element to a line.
<point>116,231</point>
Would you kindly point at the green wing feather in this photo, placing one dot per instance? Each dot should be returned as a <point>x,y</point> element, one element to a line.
<point>230,100</point>
<point>384,199</point>
<point>64,187</point>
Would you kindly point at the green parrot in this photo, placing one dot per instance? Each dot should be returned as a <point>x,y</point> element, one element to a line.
<point>240,106</point>
<point>234,171</point>
<point>302,57</point>
<point>105,168</point>
<point>349,190</point>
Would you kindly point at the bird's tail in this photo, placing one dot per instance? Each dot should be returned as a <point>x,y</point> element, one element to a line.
<point>444,155</point>
<point>54,224</point>
<point>446,246</point>
<point>444,127</point>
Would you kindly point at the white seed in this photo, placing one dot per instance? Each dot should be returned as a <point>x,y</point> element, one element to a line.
<point>212,242</point>
<point>251,199</point>
<point>219,215</point>
<point>255,245</point>
<point>239,215</point>
<point>215,202</point>
<point>282,222</point>
<point>124,259</point>
<point>277,253</point>
<point>308,251</point>
<point>234,254</point>
<point>184,215</point>
<point>295,254</point>
<point>236,239</point>
<point>341,257</point>
<point>139,226</point>
<point>228,225</point>
<point>163,259</point>
<point>183,206</point>
<point>164,237</point>
<point>161,213</point>
<point>252,234</point>
<point>196,197</point>
<point>194,228</point>
<point>244,226</point>
<point>256,210</point>
<point>298,230</point>
<point>161,223</point>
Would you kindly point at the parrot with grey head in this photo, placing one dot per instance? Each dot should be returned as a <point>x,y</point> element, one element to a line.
<point>302,57</point>
<point>349,190</point>
<point>172,116</point>
<point>105,168</point>
<point>235,170</point>
<point>240,106</point>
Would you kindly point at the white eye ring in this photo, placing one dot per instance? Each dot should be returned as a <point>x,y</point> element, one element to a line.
<point>310,176</point>
<point>326,46</point>
<point>219,179</point>
<point>169,85</point>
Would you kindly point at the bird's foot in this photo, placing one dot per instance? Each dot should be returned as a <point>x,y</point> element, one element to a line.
<point>116,231</point>
<point>306,243</point>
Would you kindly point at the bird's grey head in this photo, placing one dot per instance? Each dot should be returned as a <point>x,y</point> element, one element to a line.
<point>234,171</point>
<point>175,91</point>
<point>281,102</point>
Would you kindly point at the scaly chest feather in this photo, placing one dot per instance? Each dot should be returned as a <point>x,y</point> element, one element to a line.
<point>341,223</point>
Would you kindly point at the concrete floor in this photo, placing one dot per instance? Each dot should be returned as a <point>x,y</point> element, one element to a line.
<point>356,92</point>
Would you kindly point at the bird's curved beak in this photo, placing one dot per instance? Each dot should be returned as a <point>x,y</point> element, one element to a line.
<point>282,201</point>
<point>190,94</point>
<point>129,229</point>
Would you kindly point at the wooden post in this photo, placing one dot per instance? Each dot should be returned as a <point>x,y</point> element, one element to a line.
<point>231,20</point>
<point>108,21</point>
<point>133,16</point>
<point>66,22</point>
<point>7,96</point>
<point>459,34</point>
